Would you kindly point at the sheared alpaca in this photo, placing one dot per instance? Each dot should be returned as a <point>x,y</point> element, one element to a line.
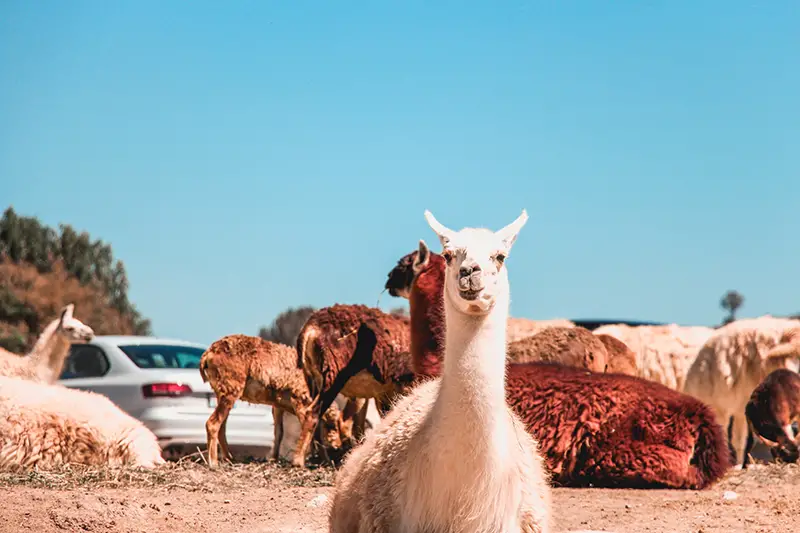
<point>45,361</point>
<point>43,426</point>
<point>773,407</point>
<point>452,456</point>
<point>243,367</point>
<point>600,429</point>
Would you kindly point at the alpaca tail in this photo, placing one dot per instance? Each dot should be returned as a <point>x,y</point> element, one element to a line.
<point>203,367</point>
<point>711,456</point>
<point>308,359</point>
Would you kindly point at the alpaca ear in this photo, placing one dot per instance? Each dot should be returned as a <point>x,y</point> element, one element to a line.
<point>445,234</point>
<point>66,312</point>
<point>509,233</point>
<point>422,258</point>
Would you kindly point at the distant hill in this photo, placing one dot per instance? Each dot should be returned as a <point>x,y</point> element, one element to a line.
<point>42,269</point>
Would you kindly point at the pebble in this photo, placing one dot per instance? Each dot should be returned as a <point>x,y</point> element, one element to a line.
<point>729,495</point>
<point>318,501</point>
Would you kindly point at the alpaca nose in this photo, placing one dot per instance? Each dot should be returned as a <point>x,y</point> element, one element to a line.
<point>467,270</point>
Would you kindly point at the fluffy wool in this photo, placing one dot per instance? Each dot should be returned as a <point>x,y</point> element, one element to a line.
<point>43,426</point>
<point>663,353</point>
<point>732,363</point>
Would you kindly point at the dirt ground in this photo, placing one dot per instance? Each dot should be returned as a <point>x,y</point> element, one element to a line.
<point>186,496</point>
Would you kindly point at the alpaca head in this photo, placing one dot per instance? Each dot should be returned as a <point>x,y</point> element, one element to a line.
<point>73,329</point>
<point>783,355</point>
<point>475,273</point>
<point>413,267</point>
<point>401,276</point>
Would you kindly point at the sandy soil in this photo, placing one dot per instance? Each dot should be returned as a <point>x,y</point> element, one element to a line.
<point>266,498</point>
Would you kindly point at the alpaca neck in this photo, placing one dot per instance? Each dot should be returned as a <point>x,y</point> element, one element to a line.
<point>49,352</point>
<point>473,380</point>
<point>427,323</point>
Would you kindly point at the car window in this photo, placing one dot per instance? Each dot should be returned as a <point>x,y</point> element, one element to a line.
<point>151,356</point>
<point>85,361</point>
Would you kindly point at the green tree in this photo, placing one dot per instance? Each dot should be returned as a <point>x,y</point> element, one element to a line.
<point>731,302</point>
<point>287,325</point>
<point>25,240</point>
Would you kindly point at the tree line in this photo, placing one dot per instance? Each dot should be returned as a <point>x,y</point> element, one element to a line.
<point>41,265</point>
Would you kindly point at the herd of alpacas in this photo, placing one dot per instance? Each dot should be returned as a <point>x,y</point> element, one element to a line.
<point>480,414</point>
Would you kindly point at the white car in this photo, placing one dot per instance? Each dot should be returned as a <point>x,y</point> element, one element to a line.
<point>158,382</point>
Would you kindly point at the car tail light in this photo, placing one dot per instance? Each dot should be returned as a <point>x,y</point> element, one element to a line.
<point>168,390</point>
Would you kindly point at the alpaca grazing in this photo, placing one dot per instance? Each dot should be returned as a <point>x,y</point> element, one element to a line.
<point>46,360</point>
<point>773,407</point>
<point>242,367</point>
<point>451,455</point>
<point>600,429</point>
<point>663,353</point>
<point>732,363</point>
<point>575,346</point>
<point>357,351</point>
<point>44,426</point>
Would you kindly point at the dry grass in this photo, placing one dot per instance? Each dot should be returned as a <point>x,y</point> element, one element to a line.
<point>760,475</point>
<point>189,473</point>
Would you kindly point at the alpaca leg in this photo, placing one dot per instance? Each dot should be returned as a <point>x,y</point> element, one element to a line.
<point>308,424</point>
<point>360,420</point>
<point>748,447</point>
<point>739,435</point>
<point>223,440</point>
<point>213,424</point>
<point>277,421</point>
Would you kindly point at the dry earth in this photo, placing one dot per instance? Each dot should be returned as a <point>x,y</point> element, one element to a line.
<point>267,498</point>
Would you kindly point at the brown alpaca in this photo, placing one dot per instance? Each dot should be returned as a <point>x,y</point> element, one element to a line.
<point>358,352</point>
<point>620,358</point>
<point>242,367</point>
<point>45,361</point>
<point>773,407</point>
<point>612,430</point>
<point>602,429</point>
<point>575,346</point>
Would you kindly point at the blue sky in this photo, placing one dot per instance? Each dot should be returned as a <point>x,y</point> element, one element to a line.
<point>246,158</point>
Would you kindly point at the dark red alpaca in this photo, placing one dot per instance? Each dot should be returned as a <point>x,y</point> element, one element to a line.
<point>601,430</point>
<point>425,272</point>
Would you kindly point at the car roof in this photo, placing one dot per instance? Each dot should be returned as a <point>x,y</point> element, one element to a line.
<point>143,340</point>
<point>594,323</point>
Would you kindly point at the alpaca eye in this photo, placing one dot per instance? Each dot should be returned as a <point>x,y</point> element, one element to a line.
<point>500,258</point>
<point>448,256</point>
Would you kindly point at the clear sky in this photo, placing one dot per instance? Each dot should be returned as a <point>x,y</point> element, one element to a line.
<point>248,156</point>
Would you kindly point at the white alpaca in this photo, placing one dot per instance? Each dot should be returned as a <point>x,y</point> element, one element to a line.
<point>46,360</point>
<point>44,426</point>
<point>732,363</point>
<point>451,456</point>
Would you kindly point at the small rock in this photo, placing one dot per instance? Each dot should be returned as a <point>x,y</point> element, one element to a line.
<point>729,495</point>
<point>226,501</point>
<point>317,501</point>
